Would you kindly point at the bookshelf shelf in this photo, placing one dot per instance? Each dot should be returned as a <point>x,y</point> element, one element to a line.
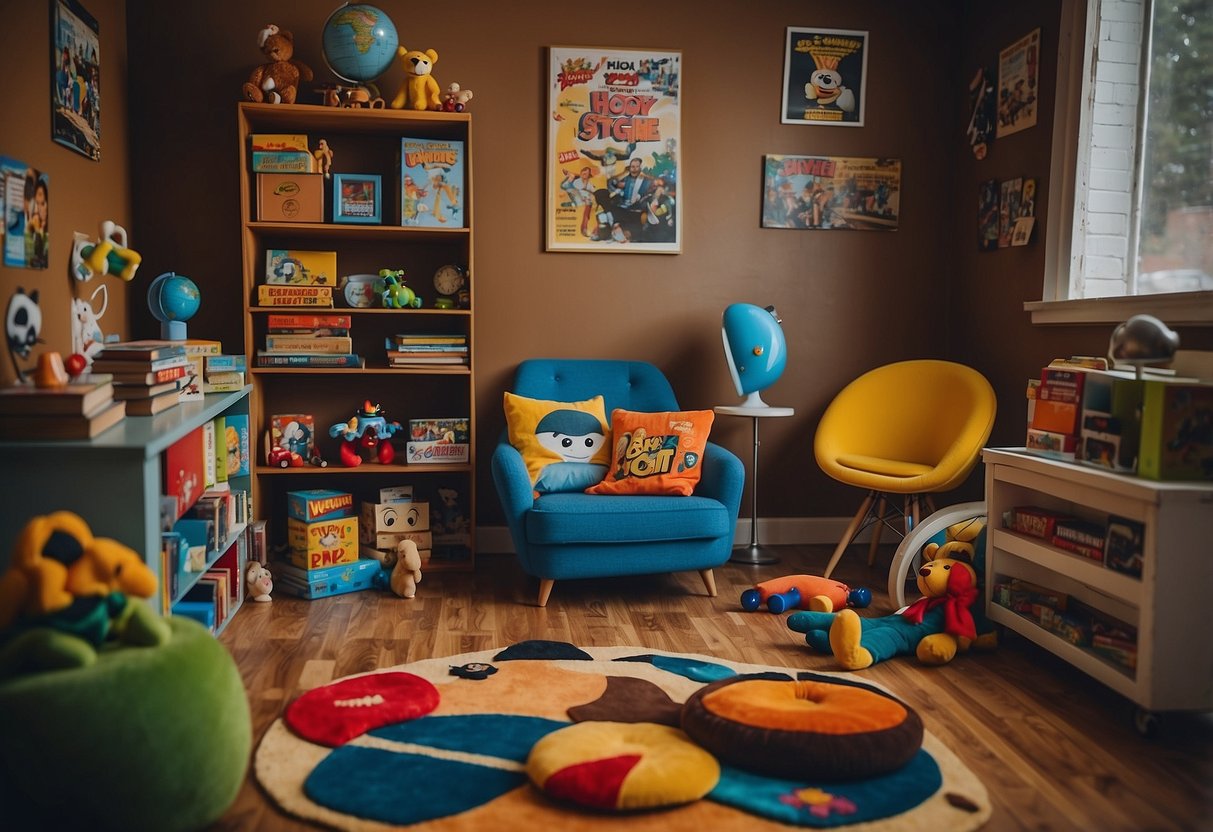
<point>363,142</point>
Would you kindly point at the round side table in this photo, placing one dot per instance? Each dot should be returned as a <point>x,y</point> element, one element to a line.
<point>752,553</point>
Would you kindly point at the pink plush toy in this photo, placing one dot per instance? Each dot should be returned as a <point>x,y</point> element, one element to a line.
<point>259,581</point>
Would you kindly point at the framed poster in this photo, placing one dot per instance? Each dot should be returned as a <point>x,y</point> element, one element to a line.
<point>1018,72</point>
<point>357,197</point>
<point>831,192</point>
<point>25,208</point>
<point>614,124</point>
<point>825,74</point>
<point>75,78</point>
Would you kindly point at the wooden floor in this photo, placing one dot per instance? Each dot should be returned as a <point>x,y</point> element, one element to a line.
<point>1055,749</point>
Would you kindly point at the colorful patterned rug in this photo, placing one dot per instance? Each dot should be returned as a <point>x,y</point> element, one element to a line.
<point>441,745</point>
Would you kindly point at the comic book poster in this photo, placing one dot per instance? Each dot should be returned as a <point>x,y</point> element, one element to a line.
<point>1018,71</point>
<point>76,79</point>
<point>987,215</point>
<point>824,76</point>
<point>613,178</point>
<point>1008,210</point>
<point>831,192</point>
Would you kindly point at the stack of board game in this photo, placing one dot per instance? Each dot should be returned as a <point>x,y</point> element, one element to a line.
<point>222,373</point>
<point>148,375</point>
<point>308,341</point>
<point>432,351</point>
<point>298,278</point>
<point>81,409</point>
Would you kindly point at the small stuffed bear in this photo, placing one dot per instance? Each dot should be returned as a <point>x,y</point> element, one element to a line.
<point>276,82</point>
<point>407,572</point>
<point>455,99</point>
<point>259,581</point>
<point>419,90</point>
<point>934,628</point>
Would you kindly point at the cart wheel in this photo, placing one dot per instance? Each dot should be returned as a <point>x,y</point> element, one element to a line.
<point>1146,722</point>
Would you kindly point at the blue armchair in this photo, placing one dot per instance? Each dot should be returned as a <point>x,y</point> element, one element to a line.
<point>562,536</point>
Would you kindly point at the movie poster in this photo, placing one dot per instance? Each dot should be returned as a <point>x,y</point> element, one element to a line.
<point>1018,88</point>
<point>76,79</point>
<point>824,76</point>
<point>613,140</point>
<point>831,192</point>
<point>25,207</point>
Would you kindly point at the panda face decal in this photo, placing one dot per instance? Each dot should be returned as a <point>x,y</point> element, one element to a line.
<point>23,322</point>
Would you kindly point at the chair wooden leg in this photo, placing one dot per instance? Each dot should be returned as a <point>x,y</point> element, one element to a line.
<point>850,532</point>
<point>545,589</point>
<point>709,581</point>
<point>880,507</point>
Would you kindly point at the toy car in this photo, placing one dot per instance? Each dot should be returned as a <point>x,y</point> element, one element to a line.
<point>283,458</point>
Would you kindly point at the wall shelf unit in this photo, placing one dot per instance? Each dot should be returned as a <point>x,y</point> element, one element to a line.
<point>363,141</point>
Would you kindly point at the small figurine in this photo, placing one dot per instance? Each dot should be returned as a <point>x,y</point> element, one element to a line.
<point>108,254</point>
<point>455,98</point>
<point>259,581</point>
<point>407,572</point>
<point>395,294</point>
<point>367,431</point>
<point>324,159</point>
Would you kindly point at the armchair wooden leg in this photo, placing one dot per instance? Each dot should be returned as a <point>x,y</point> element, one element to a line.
<point>709,581</point>
<point>850,532</point>
<point>880,509</point>
<point>545,589</point>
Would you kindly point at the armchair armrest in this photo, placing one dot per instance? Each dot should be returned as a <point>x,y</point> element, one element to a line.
<point>723,477</point>
<point>513,486</point>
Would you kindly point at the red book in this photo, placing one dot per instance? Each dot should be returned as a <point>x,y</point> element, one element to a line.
<point>183,470</point>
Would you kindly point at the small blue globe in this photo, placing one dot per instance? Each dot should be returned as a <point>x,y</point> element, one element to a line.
<point>359,43</point>
<point>173,299</point>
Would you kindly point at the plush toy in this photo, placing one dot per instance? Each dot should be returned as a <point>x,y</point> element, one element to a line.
<point>66,592</point>
<point>276,82</point>
<point>455,98</point>
<point>934,628</point>
<point>806,592</point>
<point>259,581</point>
<point>419,90</point>
<point>406,574</point>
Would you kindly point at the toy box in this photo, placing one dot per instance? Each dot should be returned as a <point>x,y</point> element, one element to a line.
<point>329,580</point>
<point>439,430</point>
<point>431,183</point>
<point>319,504</point>
<point>283,161</point>
<point>323,543</point>
<point>300,268</point>
<point>183,470</point>
<point>290,197</point>
<point>429,453</point>
<point>1034,521</point>
<point>1176,431</point>
<point>395,517</point>
<point>388,540</point>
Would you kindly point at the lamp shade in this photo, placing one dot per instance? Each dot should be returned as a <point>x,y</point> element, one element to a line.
<point>755,349</point>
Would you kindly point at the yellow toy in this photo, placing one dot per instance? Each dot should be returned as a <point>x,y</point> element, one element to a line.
<point>406,574</point>
<point>419,90</point>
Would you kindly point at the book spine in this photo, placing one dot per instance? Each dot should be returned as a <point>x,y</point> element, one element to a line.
<point>308,322</point>
<point>314,332</point>
<point>1092,552</point>
<point>294,295</point>
<point>1086,535</point>
<point>313,360</point>
<point>291,343</point>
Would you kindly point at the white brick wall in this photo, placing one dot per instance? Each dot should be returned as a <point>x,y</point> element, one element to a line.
<point>1102,230</point>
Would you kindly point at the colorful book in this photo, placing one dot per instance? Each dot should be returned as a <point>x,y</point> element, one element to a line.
<point>80,396</point>
<point>293,267</point>
<point>308,322</point>
<point>141,350</point>
<point>269,359</point>
<point>151,377</point>
<point>432,183</point>
<point>236,444</point>
<point>303,343</point>
<point>295,296</point>
<point>403,338</point>
<point>224,363</point>
<point>63,426</point>
<point>398,358</point>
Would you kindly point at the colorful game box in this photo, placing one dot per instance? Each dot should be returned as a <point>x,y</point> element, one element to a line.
<point>329,580</point>
<point>431,183</point>
<point>438,430</point>
<point>300,268</point>
<point>1176,431</point>
<point>323,543</point>
<point>319,504</point>
<point>294,431</point>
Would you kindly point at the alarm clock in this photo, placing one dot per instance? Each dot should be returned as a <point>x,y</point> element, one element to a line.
<point>449,279</point>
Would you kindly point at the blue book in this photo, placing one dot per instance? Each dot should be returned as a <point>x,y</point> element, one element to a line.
<point>201,611</point>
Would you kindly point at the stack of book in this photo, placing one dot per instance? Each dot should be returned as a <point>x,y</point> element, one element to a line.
<point>223,373</point>
<point>308,341</point>
<point>79,410</point>
<point>427,350</point>
<point>147,374</point>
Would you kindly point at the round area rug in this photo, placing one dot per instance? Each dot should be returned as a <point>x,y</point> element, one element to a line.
<point>443,744</point>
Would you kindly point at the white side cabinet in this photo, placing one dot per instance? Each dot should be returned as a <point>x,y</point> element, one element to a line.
<point>1171,604</point>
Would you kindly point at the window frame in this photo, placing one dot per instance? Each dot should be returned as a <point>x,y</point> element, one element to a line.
<point>1078,29</point>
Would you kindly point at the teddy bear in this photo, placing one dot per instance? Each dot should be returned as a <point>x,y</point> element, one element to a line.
<point>406,574</point>
<point>934,628</point>
<point>276,82</point>
<point>455,98</point>
<point>419,90</point>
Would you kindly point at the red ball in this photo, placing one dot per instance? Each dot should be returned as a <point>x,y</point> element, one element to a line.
<point>75,364</point>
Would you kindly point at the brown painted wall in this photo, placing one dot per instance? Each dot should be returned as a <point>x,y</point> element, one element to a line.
<point>82,192</point>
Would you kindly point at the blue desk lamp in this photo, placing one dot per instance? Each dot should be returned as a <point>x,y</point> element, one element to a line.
<point>755,349</point>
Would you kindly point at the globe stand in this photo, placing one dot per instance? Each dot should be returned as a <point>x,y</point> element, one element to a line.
<point>172,331</point>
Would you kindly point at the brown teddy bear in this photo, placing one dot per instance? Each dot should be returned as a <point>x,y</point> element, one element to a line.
<point>406,574</point>
<point>276,82</point>
<point>419,90</point>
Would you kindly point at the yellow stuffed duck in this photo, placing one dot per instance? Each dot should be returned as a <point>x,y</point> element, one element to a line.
<point>934,628</point>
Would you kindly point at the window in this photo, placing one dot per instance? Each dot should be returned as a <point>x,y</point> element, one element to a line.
<point>1132,168</point>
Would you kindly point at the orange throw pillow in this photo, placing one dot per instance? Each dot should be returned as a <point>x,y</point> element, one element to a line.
<point>656,453</point>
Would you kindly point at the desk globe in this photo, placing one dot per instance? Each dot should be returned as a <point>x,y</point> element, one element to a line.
<point>173,299</point>
<point>359,43</point>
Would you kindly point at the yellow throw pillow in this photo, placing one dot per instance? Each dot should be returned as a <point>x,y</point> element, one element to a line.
<point>565,445</point>
<point>656,453</point>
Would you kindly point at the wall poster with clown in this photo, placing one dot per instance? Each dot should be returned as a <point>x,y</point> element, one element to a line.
<point>825,73</point>
<point>613,171</point>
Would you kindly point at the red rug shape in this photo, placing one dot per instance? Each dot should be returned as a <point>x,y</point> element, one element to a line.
<point>334,714</point>
<point>596,783</point>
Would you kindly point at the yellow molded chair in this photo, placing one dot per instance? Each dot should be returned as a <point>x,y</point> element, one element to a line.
<point>913,428</point>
